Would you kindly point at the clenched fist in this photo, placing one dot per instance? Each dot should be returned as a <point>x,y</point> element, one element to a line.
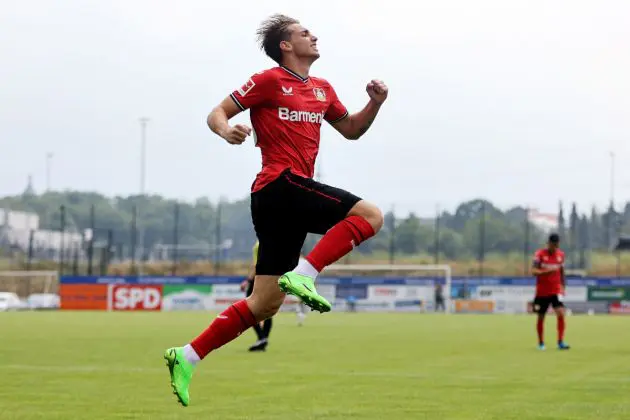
<point>377,91</point>
<point>236,134</point>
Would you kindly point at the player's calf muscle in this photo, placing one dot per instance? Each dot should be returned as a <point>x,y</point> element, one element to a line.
<point>369,212</point>
<point>266,299</point>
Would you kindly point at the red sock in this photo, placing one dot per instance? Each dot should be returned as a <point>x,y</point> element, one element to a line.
<point>539,328</point>
<point>225,328</point>
<point>561,326</point>
<point>339,241</point>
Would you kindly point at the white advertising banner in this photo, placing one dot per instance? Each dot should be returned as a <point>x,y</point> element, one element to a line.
<point>369,305</point>
<point>404,293</point>
<point>524,293</point>
<point>225,295</point>
<point>576,294</point>
<point>328,291</point>
<point>518,293</point>
<point>510,306</point>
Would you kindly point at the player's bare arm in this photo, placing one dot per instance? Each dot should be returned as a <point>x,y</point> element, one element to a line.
<point>538,271</point>
<point>356,125</point>
<point>218,121</point>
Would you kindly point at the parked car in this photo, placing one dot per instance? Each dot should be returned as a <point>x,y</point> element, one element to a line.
<point>11,302</point>
<point>43,301</point>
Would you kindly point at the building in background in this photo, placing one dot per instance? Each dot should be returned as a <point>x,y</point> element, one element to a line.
<point>15,236</point>
<point>546,222</point>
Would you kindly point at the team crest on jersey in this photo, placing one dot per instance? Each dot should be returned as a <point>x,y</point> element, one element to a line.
<point>320,95</point>
<point>249,85</point>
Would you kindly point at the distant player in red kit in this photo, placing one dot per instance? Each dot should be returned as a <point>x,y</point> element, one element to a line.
<point>287,109</point>
<point>548,268</point>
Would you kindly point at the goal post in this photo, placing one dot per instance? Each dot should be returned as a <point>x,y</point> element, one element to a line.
<point>409,274</point>
<point>26,283</point>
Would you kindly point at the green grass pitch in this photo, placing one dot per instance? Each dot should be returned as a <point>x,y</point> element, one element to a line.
<point>72,365</point>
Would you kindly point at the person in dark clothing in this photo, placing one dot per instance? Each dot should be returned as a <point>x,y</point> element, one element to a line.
<point>263,328</point>
<point>439,298</point>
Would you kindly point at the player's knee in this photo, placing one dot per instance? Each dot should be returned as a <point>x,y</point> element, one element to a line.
<point>370,212</point>
<point>376,219</point>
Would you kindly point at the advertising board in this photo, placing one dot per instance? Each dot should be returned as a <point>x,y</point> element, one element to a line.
<point>83,296</point>
<point>373,293</point>
<point>473,306</point>
<point>224,295</point>
<point>620,308</point>
<point>135,297</point>
<point>328,291</point>
<point>400,292</point>
<point>525,293</point>
<point>367,305</point>
<point>413,305</point>
<point>608,293</point>
<point>587,307</point>
<point>187,297</point>
<point>510,306</point>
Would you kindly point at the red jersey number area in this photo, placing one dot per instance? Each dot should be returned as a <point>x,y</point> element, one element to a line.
<point>287,112</point>
<point>551,283</point>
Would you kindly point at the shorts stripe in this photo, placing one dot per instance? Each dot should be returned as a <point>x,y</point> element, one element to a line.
<point>304,187</point>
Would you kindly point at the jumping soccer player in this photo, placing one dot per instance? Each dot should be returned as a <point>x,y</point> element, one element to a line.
<point>287,108</point>
<point>548,268</point>
<point>262,332</point>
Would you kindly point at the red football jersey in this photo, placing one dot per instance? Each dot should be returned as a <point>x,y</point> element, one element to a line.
<point>551,283</point>
<point>286,112</point>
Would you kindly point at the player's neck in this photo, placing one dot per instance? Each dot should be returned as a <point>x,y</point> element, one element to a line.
<point>302,69</point>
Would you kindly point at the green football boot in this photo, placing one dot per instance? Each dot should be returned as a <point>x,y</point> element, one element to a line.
<point>303,287</point>
<point>181,371</point>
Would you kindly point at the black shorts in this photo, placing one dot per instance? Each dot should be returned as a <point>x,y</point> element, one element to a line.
<point>288,208</point>
<point>250,288</point>
<point>541,303</point>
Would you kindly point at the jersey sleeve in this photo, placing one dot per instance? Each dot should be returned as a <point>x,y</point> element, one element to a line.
<point>336,110</point>
<point>255,92</point>
<point>537,261</point>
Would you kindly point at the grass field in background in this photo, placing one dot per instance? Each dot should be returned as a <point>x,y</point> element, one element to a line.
<point>71,365</point>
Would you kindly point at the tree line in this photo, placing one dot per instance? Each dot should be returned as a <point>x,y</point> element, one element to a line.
<point>474,229</point>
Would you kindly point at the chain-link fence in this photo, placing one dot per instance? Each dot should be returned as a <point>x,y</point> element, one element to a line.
<point>133,237</point>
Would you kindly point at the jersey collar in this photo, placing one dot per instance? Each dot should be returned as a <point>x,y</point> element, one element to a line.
<point>294,74</point>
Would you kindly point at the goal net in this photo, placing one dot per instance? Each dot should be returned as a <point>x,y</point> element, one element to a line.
<point>26,283</point>
<point>387,287</point>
